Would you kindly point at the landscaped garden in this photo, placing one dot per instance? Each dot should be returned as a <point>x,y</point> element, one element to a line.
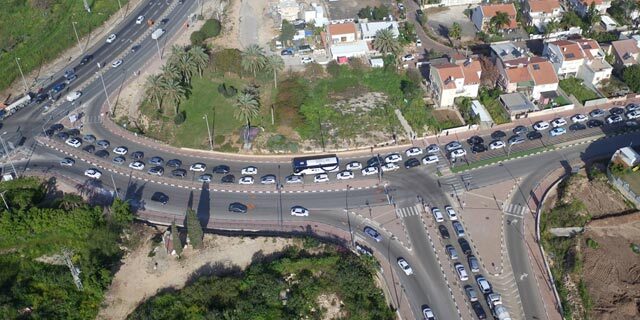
<point>575,87</point>
<point>38,31</point>
<point>489,98</point>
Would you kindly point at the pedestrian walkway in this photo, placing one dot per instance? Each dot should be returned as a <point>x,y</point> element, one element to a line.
<point>407,212</point>
<point>515,209</point>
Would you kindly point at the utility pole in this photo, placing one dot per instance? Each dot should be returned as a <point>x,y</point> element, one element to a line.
<point>104,86</point>
<point>346,209</point>
<point>73,24</point>
<point>206,119</point>
<point>120,5</point>
<point>115,188</point>
<point>75,272</point>
<point>4,200</point>
<point>158,46</point>
<point>26,88</point>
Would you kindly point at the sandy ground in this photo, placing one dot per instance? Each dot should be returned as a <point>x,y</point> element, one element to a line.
<point>142,276</point>
<point>597,196</point>
<point>35,78</point>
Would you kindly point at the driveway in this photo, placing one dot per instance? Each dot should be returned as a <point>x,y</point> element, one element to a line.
<point>441,19</point>
<point>427,43</point>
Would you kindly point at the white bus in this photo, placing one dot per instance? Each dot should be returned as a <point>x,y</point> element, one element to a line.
<point>316,164</point>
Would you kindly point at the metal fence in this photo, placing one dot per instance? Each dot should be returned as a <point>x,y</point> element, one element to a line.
<point>624,188</point>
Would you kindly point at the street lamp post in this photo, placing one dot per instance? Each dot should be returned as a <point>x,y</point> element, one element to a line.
<point>26,88</point>
<point>206,119</point>
<point>4,200</point>
<point>6,154</point>
<point>104,87</point>
<point>73,23</point>
<point>158,46</point>
<point>346,209</point>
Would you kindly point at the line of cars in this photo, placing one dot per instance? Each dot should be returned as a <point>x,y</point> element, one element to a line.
<point>555,128</point>
<point>472,261</point>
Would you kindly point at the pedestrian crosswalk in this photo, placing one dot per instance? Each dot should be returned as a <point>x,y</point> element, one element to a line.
<point>407,212</point>
<point>515,209</point>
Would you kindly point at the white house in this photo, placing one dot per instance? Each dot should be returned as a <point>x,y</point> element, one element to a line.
<point>455,79</point>
<point>581,58</point>
<point>531,76</point>
<point>368,30</point>
<point>342,51</point>
<point>539,13</point>
<point>581,7</point>
<point>482,15</point>
<point>342,33</point>
<point>316,15</point>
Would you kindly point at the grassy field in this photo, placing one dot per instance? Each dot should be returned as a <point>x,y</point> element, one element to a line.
<point>38,31</point>
<point>575,87</point>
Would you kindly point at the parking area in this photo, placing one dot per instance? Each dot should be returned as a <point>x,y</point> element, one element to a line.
<point>442,18</point>
<point>347,10</point>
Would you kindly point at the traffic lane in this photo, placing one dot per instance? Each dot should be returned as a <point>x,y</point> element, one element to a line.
<point>430,274</point>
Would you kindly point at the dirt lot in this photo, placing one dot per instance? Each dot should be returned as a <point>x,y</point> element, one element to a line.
<point>441,19</point>
<point>142,274</point>
<point>597,196</point>
<point>612,271</point>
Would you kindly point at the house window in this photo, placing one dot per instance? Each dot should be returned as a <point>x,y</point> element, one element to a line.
<point>343,39</point>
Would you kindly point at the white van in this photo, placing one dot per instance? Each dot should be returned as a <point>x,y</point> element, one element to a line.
<point>437,214</point>
<point>157,34</point>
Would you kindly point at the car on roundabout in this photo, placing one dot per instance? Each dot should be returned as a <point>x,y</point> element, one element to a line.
<point>299,211</point>
<point>93,173</point>
<point>404,265</point>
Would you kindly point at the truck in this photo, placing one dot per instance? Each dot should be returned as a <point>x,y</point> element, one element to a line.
<point>157,34</point>
<point>494,300</point>
<point>8,110</point>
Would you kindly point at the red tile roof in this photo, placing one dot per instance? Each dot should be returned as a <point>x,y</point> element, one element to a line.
<point>546,6</point>
<point>490,10</point>
<point>542,72</point>
<point>342,28</point>
<point>569,49</point>
<point>448,72</point>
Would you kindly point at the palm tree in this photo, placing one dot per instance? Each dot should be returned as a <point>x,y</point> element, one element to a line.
<point>200,58</point>
<point>174,91</point>
<point>247,107</point>
<point>455,31</point>
<point>186,66</point>
<point>385,42</point>
<point>176,52</point>
<point>71,201</point>
<point>253,59</point>
<point>274,64</point>
<point>500,20</point>
<point>170,71</point>
<point>155,88</point>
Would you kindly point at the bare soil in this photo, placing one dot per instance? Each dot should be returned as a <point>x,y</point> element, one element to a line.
<point>148,268</point>
<point>597,195</point>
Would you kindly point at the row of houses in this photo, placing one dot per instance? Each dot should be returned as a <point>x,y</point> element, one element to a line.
<point>349,40</point>
<point>536,77</point>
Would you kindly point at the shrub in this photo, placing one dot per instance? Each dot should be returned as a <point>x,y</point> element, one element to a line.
<point>219,139</point>
<point>592,243</point>
<point>333,68</point>
<point>180,118</point>
<point>227,60</point>
<point>197,38</point>
<point>228,92</point>
<point>211,28</point>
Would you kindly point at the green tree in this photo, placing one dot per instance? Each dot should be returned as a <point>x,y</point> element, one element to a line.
<point>275,64</point>
<point>175,239</point>
<point>194,229</point>
<point>455,31</point>
<point>174,91</point>
<point>200,58</point>
<point>500,20</point>
<point>386,43</point>
<point>155,89</point>
<point>570,19</point>
<point>593,15</point>
<point>186,66</point>
<point>551,26</point>
<point>631,76</point>
<point>287,32</point>
<point>247,107</point>
<point>170,71</point>
<point>253,59</point>
<point>121,214</point>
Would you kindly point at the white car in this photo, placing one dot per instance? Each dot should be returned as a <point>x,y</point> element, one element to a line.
<point>393,158</point>
<point>67,162</point>
<point>560,122</point>
<point>557,131</point>
<point>306,60</point>
<point>541,125</point>
<point>462,272</point>
<point>433,148</point>
<point>634,114</point>
<point>430,159</point>
<point>437,214</point>
<point>614,118</point>
<point>140,20</point>
<point>321,177</point>
<point>458,153</point>
<point>412,152</point>
<point>93,173</point>
<point>73,96</point>
<point>249,171</point>
<point>407,57</point>
<point>74,142</point>
<point>579,118</point>
<point>120,150</point>
<point>453,145</point>
<point>136,165</point>
<point>111,38</point>
<point>246,180</point>
<point>198,167</point>
<point>293,179</point>
<point>418,43</point>
<point>116,63</point>
<point>345,175</point>
<point>497,144</point>
<point>404,265</point>
<point>354,165</point>
<point>299,211</point>
<point>388,167</point>
<point>451,213</point>
<point>369,171</point>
